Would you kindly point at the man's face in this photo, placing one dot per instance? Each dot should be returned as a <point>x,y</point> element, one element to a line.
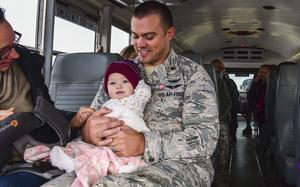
<point>263,73</point>
<point>149,39</point>
<point>7,53</point>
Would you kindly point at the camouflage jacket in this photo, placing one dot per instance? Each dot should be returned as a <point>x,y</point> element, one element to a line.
<point>182,113</point>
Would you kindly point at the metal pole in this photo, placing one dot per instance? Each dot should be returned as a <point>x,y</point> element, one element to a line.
<point>105,30</point>
<point>39,26</point>
<point>48,39</point>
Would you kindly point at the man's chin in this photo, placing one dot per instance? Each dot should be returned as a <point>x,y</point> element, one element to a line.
<point>143,60</point>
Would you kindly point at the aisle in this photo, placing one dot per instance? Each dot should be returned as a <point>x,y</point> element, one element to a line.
<point>244,170</point>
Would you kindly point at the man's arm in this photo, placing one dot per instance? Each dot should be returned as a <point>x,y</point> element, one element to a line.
<point>200,125</point>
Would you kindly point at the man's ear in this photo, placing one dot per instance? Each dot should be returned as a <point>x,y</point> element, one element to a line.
<point>171,33</point>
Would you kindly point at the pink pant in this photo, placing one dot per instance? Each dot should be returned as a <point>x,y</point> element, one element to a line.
<point>91,162</point>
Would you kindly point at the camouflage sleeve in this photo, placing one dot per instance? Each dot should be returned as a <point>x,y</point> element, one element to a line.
<point>100,98</point>
<point>200,125</point>
<point>142,95</point>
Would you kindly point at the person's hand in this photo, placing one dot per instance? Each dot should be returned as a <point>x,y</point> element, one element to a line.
<point>128,142</point>
<point>80,118</point>
<point>5,113</point>
<point>98,128</point>
<point>84,113</point>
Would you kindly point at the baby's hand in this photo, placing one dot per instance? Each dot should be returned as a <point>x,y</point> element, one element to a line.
<point>80,118</point>
<point>5,113</point>
<point>84,113</point>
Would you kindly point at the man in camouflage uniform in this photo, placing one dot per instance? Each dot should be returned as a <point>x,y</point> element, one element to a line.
<point>182,113</point>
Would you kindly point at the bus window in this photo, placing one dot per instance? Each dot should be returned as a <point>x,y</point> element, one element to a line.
<point>242,82</point>
<point>119,40</point>
<point>70,37</point>
<point>24,23</point>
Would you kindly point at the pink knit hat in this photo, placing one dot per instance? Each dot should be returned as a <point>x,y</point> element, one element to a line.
<point>128,68</point>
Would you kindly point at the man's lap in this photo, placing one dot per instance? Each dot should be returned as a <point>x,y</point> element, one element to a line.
<point>169,173</point>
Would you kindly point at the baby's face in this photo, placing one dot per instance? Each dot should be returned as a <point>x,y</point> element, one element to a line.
<point>119,86</point>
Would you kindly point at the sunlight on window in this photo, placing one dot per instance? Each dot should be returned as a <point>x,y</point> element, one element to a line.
<point>22,17</point>
<point>69,37</point>
<point>119,40</point>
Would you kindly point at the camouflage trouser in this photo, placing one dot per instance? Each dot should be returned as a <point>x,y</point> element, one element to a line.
<point>221,155</point>
<point>169,173</point>
<point>224,145</point>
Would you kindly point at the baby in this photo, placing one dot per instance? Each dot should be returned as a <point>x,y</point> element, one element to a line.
<point>128,97</point>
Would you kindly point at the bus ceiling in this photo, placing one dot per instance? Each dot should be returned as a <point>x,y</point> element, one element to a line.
<point>204,27</point>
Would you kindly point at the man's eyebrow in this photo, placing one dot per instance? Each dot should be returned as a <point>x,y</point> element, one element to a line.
<point>154,33</point>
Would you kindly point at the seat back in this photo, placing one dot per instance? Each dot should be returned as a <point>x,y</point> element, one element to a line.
<point>76,77</point>
<point>297,129</point>
<point>284,121</point>
<point>297,135</point>
<point>285,108</point>
<point>213,76</point>
<point>270,103</point>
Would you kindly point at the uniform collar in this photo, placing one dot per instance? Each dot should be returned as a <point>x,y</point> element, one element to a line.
<point>170,67</point>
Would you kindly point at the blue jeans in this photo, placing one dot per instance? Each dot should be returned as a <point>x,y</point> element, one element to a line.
<point>21,179</point>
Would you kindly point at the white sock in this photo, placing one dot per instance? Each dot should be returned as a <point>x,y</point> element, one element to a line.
<point>61,160</point>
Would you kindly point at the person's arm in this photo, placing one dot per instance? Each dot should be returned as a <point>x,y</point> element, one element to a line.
<point>200,125</point>
<point>225,102</point>
<point>236,97</point>
<point>5,113</point>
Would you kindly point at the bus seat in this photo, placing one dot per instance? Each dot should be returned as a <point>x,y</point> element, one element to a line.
<point>76,77</point>
<point>284,121</point>
<point>270,112</point>
<point>297,129</point>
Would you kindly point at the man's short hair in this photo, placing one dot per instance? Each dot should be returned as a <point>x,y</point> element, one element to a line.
<point>216,61</point>
<point>2,18</point>
<point>218,64</point>
<point>153,7</point>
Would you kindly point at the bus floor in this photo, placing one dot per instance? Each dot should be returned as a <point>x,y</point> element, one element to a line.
<point>247,167</point>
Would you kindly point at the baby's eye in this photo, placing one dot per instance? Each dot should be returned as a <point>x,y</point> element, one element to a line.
<point>112,83</point>
<point>125,81</point>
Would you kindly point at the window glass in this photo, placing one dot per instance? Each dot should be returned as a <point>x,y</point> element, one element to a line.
<point>70,37</point>
<point>119,40</point>
<point>22,16</point>
<point>242,82</point>
<point>53,59</point>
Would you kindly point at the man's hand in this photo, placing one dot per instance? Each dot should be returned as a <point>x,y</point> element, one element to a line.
<point>5,113</point>
<point>128,142</point>
<point>98,128</point>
